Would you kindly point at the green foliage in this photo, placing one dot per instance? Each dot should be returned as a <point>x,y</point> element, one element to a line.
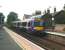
<point>2,17</point>
<point>60,18</point>
<point>12,16</point>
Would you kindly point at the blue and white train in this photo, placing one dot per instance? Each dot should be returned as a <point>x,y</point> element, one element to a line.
<point>33,26</point>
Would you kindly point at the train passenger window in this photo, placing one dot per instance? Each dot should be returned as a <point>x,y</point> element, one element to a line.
<point>18,24</point>
<point>14,24</point>
<point>29,24</point>
<point>24,23</point>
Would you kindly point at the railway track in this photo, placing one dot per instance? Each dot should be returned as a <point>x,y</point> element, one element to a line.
<point>50,42</point>
<point>56,38</point>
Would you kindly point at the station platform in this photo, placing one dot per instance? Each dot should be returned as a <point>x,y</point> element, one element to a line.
<point>57,33</point>
<point>22,42</point>
<point>6,42</point>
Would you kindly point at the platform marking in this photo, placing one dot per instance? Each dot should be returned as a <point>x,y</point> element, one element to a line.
<point>23,42</point>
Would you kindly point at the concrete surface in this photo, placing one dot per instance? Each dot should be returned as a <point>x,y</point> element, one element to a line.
<point>23,42</point>
<point>6,42</point>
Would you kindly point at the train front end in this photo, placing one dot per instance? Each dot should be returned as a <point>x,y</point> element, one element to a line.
<point>38,27</point>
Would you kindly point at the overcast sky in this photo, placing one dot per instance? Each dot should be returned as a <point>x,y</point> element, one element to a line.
<point>29,6</point>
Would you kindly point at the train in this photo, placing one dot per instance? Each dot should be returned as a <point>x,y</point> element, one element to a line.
<point>33,26</point>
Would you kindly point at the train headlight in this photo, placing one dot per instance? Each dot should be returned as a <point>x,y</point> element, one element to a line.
<point>34,28</point>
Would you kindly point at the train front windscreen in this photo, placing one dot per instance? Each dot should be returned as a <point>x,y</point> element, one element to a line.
<point>36,23</point>
<point>38,26</point>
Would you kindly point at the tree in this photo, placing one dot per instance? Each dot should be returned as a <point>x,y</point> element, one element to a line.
<point>2,18</point>
<point>60,17</point>
<point>12,16</point>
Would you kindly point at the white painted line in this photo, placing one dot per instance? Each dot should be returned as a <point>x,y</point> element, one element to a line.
<point>23,42</point>
<point>56,33</point>
<point>13,37</point>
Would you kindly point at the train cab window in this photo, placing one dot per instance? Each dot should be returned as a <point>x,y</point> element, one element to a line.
<point>42,23</point>
<point>37,23</point>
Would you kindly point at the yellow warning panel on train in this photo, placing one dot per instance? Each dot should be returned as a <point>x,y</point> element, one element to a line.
<point>39,28</point>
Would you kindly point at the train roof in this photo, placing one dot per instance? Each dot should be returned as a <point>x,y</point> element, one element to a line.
<point>37,16</point>
<point>27,20</point>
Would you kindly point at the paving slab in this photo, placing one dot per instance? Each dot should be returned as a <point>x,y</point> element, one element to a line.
<point>6,42</point>
<point>23,42</point>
